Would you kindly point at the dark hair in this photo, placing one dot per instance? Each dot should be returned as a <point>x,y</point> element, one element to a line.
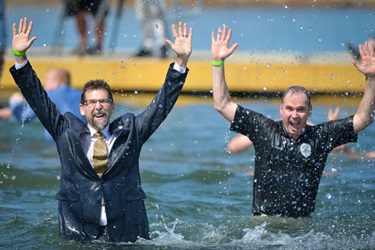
<point>297,89</point>
<point>68,78</point>
<point>95,85</point>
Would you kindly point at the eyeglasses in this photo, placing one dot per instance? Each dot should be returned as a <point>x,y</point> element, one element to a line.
<point>92,102</point>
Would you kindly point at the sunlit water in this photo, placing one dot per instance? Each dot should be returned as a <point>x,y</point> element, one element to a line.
<point>199,196</point>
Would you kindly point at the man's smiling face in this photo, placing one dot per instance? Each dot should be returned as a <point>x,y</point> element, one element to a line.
<point>97,108</point>
<point>294,112</point>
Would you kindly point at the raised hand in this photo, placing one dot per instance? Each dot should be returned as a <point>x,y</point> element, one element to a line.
<point>182,45</point>
<point>333,114</point>
<point>219,47</point>
<point>367,64</point>
<point>21,39</point>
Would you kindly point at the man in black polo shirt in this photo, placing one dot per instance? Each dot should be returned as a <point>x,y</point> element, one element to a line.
<point>289,154</point>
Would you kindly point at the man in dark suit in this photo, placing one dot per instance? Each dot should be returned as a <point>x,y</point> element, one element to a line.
<point>104,203</point>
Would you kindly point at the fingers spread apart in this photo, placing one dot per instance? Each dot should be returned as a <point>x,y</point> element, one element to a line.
<point>181,31</point>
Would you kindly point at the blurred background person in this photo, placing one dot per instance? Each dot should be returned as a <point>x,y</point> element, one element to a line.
<point>2,36</point>
<point>81,9</point>
<point>57,86</point>
<point>4,112</point>
<point>151,15</point>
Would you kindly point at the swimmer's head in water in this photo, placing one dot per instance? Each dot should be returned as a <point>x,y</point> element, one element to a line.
<point>295,109</point>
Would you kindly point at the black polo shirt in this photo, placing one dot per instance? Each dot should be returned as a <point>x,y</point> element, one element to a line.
<point>287,171</point>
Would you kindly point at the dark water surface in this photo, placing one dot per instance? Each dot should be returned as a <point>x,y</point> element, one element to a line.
<point>199,196</point>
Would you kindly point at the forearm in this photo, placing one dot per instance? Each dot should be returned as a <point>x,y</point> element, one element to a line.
<point>20,59</point>
<point>170,91</point>
<point>222,100</point>
<point>366,110</point>
<point>36,97</point>
<point>150,119</point>
<point>238,144</point>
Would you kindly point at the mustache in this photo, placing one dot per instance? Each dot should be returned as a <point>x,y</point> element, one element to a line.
<point>99,112</point>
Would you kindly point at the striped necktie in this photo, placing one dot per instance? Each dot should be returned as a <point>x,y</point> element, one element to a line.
<point>100,154</point>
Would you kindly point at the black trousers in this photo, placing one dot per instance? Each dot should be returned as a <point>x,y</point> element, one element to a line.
<point>103,234</point>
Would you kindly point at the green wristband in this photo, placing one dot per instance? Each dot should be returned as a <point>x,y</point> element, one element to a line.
<point>217,63</point>
<point>18,53</point>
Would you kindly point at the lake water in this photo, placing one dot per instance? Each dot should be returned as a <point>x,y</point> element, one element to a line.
<point>199,196</point>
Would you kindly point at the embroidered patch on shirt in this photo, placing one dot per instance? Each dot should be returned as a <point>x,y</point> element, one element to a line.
<point>305,150</point>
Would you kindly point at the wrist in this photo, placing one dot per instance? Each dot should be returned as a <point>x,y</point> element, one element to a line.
<point>182,62</point>
<point>20,56</point>
<point>217,63</point>
<point>18,53</point>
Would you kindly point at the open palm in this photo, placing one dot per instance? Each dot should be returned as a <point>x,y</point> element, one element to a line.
<point>21,39</point>
<point>219,47</point>
<point>182,45</point>
<point>367,64</point>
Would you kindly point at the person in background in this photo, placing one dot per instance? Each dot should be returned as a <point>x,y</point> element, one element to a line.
<point>5,112</point>
<point>101,196</point>
<point>240,143</point>
<point>151,15</point>
<point>290,155</point>
<point>57,86</point>
<point>99,10</point>
<point>2,37</point>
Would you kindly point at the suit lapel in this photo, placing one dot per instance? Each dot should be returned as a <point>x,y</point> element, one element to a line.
<point>121,132</point>
<point>79,129</point>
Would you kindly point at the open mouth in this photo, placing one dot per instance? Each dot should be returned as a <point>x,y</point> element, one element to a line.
<point>99,116</point>
<point>294,125</point>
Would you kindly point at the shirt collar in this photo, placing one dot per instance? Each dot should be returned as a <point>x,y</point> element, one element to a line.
<point>105,132</point>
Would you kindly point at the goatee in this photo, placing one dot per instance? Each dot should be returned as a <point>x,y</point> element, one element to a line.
<point>99,125</point>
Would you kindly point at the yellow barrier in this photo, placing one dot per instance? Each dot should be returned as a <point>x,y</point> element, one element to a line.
<point>266,75</point>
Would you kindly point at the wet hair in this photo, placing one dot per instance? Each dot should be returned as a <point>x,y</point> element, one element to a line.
<point>297,89</point>
<point>95,85</point>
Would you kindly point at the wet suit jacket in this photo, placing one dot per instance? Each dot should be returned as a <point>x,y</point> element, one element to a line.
<point>81,189</point>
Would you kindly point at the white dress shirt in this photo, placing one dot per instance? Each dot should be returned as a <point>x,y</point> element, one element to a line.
<point>87,142</point>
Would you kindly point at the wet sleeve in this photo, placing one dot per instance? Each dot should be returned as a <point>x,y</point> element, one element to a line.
<point>247,121</point>
<point>151,118</point>
<point>341,131</point>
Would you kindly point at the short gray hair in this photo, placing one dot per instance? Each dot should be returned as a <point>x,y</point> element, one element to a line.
<point>297,89</point>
